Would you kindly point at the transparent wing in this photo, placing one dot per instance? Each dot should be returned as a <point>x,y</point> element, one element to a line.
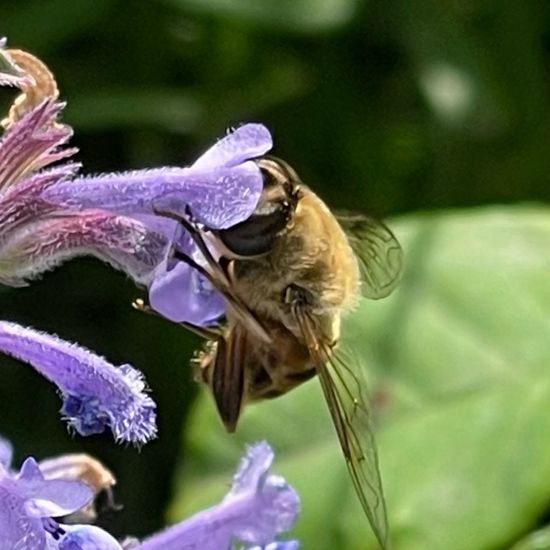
<point>380,255</point>
<point>345,394</point>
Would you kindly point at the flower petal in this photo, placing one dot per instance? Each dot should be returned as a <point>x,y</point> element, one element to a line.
<point>26,502</point>
<point>87,537</point>
<point>6,453</point>
<point>33,142</point>
<point>277,504</point>
<point>32,247</point>
<point>280,545</point>
<point>252,469</point>
<point>49,498</point>
<point>181,294</point>
<point>255,511</point>
<point>219,197</point>
<point>18,530</point>
<point>96,394</point>
<point>246,142</point>
<point>226,197</point>
<point>221,189</point>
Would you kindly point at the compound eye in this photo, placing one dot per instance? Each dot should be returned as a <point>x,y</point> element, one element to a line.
<point>256,236</point>
<point>277,171</point>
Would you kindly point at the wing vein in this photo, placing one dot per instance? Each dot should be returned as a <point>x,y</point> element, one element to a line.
<point>351,417</point>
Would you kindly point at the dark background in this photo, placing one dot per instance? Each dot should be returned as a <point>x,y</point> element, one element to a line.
<point>387,107</point>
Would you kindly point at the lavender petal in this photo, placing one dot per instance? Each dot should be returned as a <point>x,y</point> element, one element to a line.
<point>246,142</point>
<point>6,453</point>
<point>181,294</point>
<point>30,248</point>
<point>258,507</point>
<point>277,507</point>
<point>18,530</point>
<point>33,142</point>
<point>87,537</point>
<point>218,197</point>
<point>280,545</point>
<point>96,394</point>
<point>26,502</point>
<point>50,498</point>
<point>252,469</point>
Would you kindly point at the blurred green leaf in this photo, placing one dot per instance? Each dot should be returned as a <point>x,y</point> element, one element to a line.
<point>56,20</point>
<point>458,363</point>
<point>539,540</point>
<point>307,16</point>
<point>169,109</point>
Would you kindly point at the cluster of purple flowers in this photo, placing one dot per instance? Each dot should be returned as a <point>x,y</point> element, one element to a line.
<point>49,214</point>
<point>256,509</point>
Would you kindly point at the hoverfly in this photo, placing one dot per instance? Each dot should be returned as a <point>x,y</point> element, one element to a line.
<point>288,274</point>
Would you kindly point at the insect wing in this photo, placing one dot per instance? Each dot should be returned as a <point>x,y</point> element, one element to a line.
<point>380,255</point>
<point>228,383</point>
<point>345,394</point>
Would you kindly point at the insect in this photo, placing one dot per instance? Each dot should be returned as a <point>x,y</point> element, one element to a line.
<point>84,468</point>
<point>288,274</point>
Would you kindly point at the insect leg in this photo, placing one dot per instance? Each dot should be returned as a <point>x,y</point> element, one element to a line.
<point>198,239</point>
<point>208,333</point>
<point>217,276</point>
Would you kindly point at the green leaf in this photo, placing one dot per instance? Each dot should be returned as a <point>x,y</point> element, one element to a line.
<point>458,363</point>
<point>178,111</point>
<point>539,540</point>
<point>65,21</point>
<point>294,15</point>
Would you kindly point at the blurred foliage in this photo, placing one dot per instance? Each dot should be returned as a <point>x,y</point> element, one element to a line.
<point>458,363</point>
<point>540,540</point>
<point>388,107</point>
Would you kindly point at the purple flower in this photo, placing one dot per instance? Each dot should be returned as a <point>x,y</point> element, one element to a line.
<point>33,143</point>
<point>36,235</point>
<point>6,453</point>
<point>258,507</point>
<point>48,216</point>
<point>86,537</point>
<point>96,395</point>
<point>220,189</point>
<point>28,502</point>
<point>82,467</point>
<point>181,293</point>
<point>30,499</point>
<point>283,545</point>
